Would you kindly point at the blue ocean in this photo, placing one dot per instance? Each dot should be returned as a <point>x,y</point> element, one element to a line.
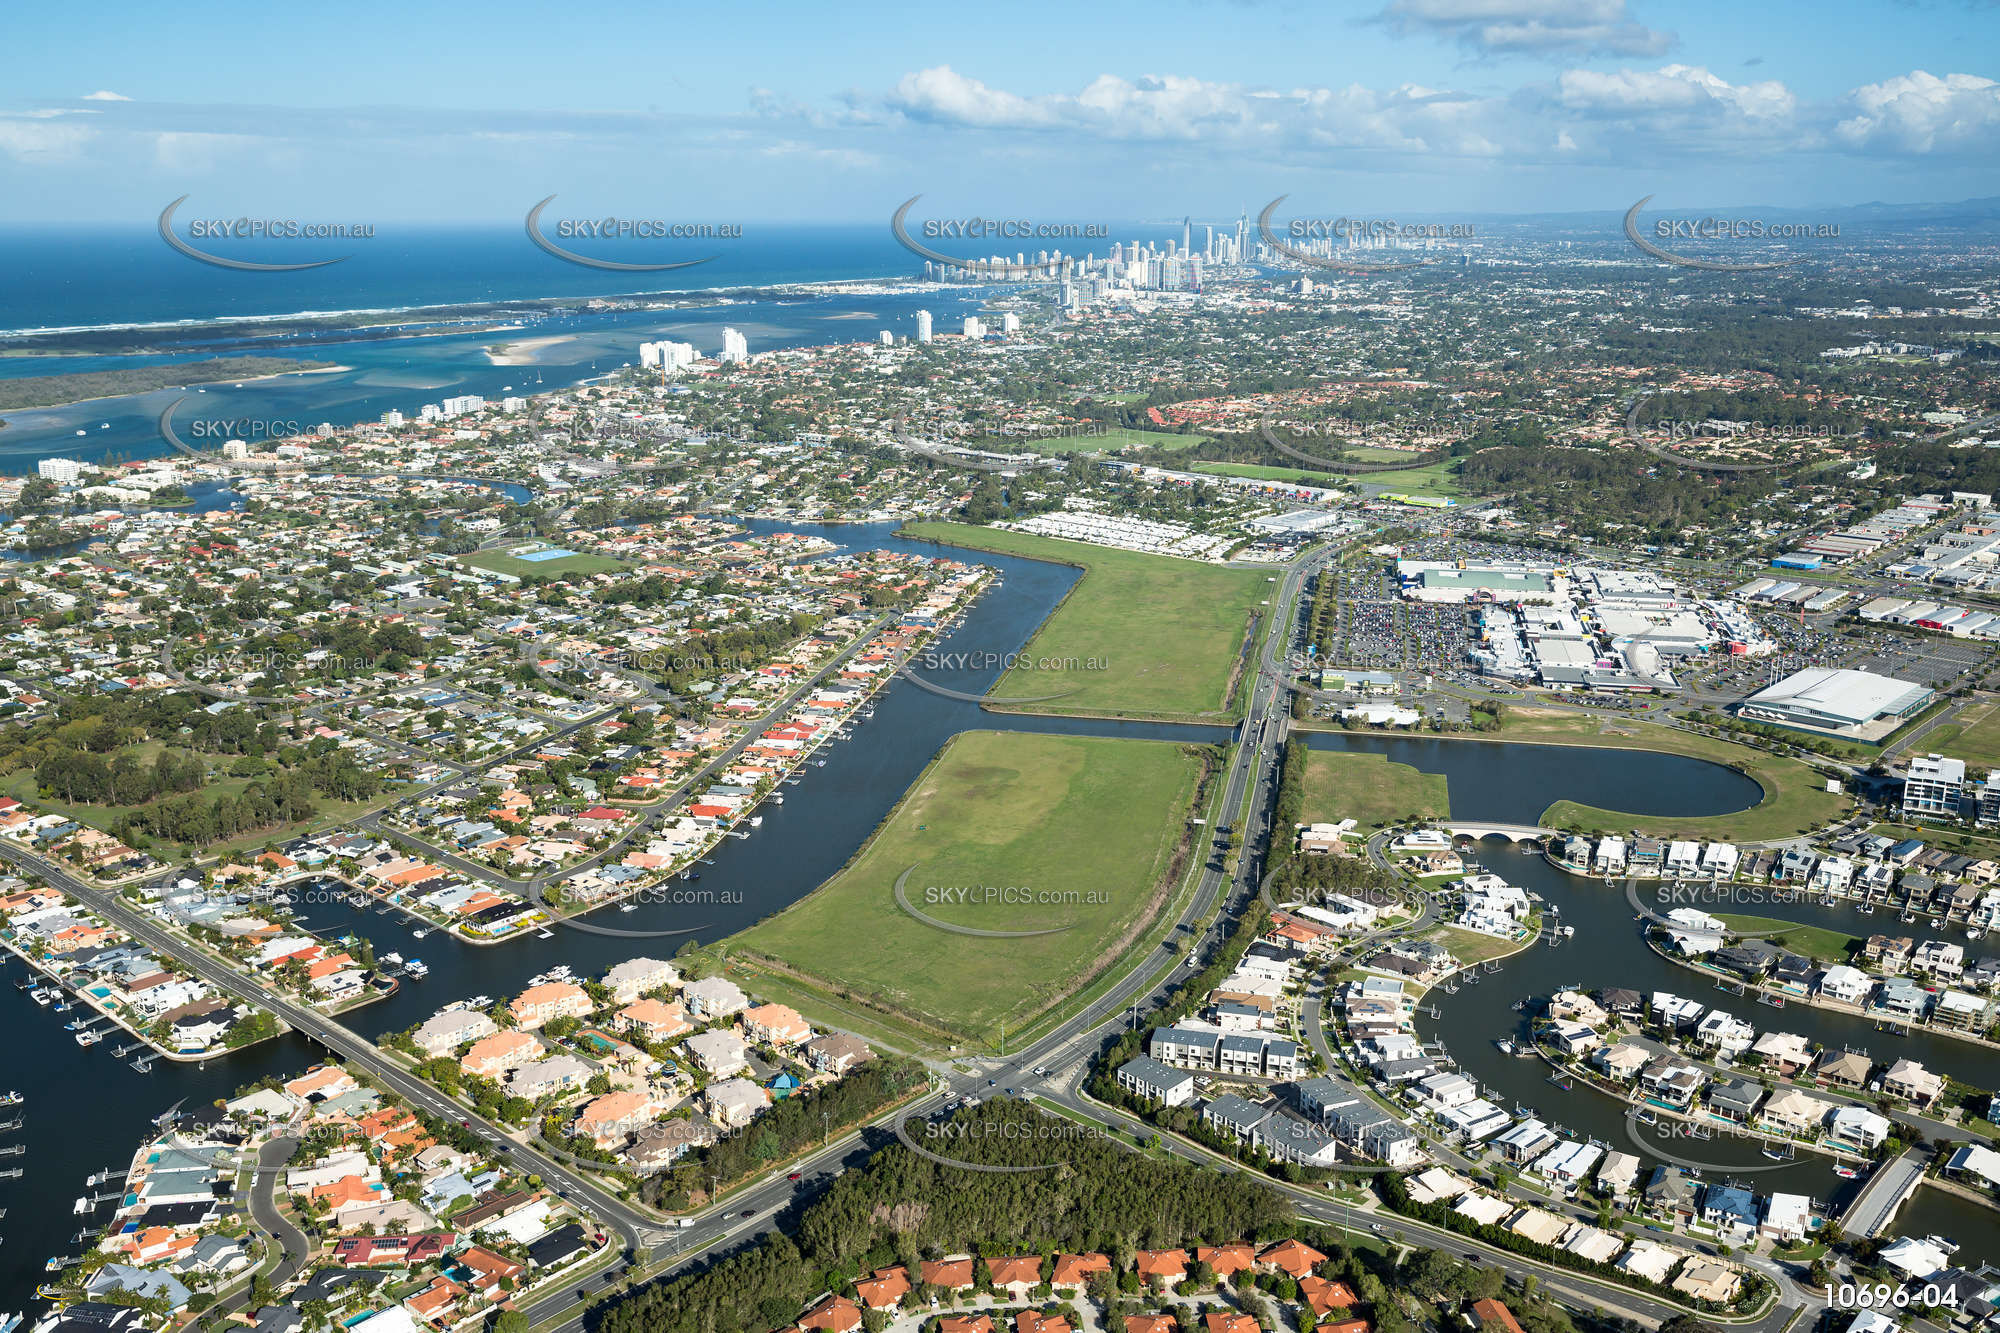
<point>128,279</point>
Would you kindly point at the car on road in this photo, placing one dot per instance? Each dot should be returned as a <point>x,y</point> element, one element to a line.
<point>748,1212</point>
<point>796,1175</point>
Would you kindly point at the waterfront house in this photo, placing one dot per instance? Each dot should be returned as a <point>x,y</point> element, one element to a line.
<point>1623,1061</point>
<point>1792,1111</point>
<point>653,1020</point>
<point>1913,1083</point>
<point>1843,1069</point>
<point>1526,1141</point>
<point>555,999</point>
<point>714,997</point>
<point>443,1033</point>
<point>1848,985</point>
<point>1735,1099</point>
<point>1900,997</point>
<point>1858,1128</point>
<point>1787,1218</point>
<point>1672,1082</point>
<point>1732,1211</point>
<point>639,976</point>
<point>1785,1052</point>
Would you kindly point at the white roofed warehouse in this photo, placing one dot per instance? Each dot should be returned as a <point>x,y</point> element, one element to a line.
<point>1853,703</point>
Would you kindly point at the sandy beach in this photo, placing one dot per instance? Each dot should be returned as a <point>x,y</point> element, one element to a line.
<point>527,352</point>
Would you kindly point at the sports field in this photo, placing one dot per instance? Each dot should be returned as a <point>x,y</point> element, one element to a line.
<point>1974,737</point>
<point>1354,784</point>
<point>499,562</point>
<point>1437,479</point>
<point>1260,473</point>
<point>1006,832</point>
<point>1108,440</point>
<point>1138,635</point>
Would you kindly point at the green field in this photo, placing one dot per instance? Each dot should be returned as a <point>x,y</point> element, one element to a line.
<point>1138,635</point>
<point>499,562</point>
<point>1812,941</point>
<point>1795,796</point>
<point>1974,737</point>
<point>1110,439</point>
<point>1353,784</point>
<point>1079,830</point>
<point>1437,479</point>
<point>1260,473</point>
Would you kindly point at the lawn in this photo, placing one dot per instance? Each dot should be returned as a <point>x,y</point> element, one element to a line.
<point>1472,946</point>
<point>499,562</point>
<point>1109,439</point>
<point>1795,795</point>
<point>1354,784</point>
<point>1813,941</point>
<point>1260,473</point>
<point>1974,737</point>
<point>1437,479</point>
<point>1138,635</point>
<point>1005,831</point>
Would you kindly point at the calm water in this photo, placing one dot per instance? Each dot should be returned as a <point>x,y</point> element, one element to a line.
<point>1607,951</point>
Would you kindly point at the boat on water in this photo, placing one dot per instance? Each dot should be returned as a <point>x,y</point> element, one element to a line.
<point>1846,1173</point>
<point>1506,1047</point>
<point>88,1038</point>
<point>545,934</point>
<point>629,907</point>
<point>479,1002</point>
<point>416,968</point>
<point>777,798</point>
<point>1776,1156</point>
<point>421,934</point>
<point>1647,1118</point>
<point>41,997</point>
<point>9,1322</point>
<point>393,959</point>
<point>11,1099</point>
<point>756,821</point>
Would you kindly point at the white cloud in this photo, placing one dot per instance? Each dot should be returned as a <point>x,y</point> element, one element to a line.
<point>1525,27</point>
<point>36,138</point>
<point>1674,90</point>
<point>103,96</point>
<point>1177,108</point>
<point>1922,113</point>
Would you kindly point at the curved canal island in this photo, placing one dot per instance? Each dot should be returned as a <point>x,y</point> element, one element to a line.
<point>86,1110</point>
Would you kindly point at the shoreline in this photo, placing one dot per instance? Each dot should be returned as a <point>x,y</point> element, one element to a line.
<point>232,380</point>
<point>469,309</point>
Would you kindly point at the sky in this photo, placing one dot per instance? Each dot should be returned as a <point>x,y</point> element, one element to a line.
<point>442,113</point>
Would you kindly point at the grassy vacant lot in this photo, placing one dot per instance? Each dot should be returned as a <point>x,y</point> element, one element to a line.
<point>1357,785</point>
<point>1975,737</point>
<point>499,562</point>
<point>1108,440</point>
<point>1082,828</point>
<point>1795,795</point>
<point>1299,475</point>
<point>1831,946</point>
<point>1437,479</point>
<point>1470,946</point>
<point>1144,635</point>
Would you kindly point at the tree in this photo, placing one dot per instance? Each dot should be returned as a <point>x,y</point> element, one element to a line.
<point>511,1321</point>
